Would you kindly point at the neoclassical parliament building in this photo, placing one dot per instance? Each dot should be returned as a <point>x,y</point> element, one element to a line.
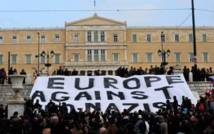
<point>101,43</point>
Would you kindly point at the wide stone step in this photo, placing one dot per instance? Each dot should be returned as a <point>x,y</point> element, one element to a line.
<point>6,90</point>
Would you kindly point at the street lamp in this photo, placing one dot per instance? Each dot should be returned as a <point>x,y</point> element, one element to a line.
<point>47,55</point>
<point>163,53</point>
<point>38,54</point>
<point>38,51</point>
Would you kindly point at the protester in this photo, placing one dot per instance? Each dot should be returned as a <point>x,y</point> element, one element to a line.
<point>23,73</point>
<point>172,118</point>
<point>56,119</point>
<point>3,75</point>
<point>193,74</point>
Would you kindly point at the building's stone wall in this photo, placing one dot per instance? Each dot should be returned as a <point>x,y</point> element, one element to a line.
<point>120,45</point>
<point>6,91</point>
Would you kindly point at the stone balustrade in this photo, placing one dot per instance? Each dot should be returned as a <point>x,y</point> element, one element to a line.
<point>6,92</point>
<point>200,87</point>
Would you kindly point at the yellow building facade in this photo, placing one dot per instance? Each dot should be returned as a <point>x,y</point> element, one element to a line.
<point>98,43</point>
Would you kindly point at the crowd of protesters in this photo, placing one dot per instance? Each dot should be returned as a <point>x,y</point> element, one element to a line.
<point>172,118</point>
<point>198,74</point>
<point>193,74</point>
<point>12,71</point>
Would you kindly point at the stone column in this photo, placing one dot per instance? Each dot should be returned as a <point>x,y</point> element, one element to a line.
<point>190,76</point>
<point>16,102</point>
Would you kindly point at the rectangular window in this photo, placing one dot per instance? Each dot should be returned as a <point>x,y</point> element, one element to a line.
<point>96,55</point>
<point>102,36</point>
<point>103,55</point>
<point>43,39</point>
<point>205,57</point>
<point>76,37</point>
<point>149,57</point>
<point>42,59</point>
<point>89,36</point>
<point>149,38</point>
<point>177,57</point>
<point>191,57</point>
<point>135,57</point>
<point>1,39</point>
<point>28,38</point>
<point>177,38</point>
<point>134,38</point>
<point>57,58</point>
<point>13,58</point>
<point>14,39</point>
<point>96,36</point>
<point>115,37</point>
<point>190,37</point>
<point>204,37</point>
<point>1,59</point>
<point>76,57</point>
<point>162,37</point>
<point>28,58</point>
<point>115,57</point>
<point>56,37</point>
<point>89,55</point>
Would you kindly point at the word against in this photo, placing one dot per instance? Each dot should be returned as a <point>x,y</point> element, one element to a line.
<point>145,92</point>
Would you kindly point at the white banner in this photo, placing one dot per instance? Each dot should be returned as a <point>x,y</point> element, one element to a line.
<point>145,92</point>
